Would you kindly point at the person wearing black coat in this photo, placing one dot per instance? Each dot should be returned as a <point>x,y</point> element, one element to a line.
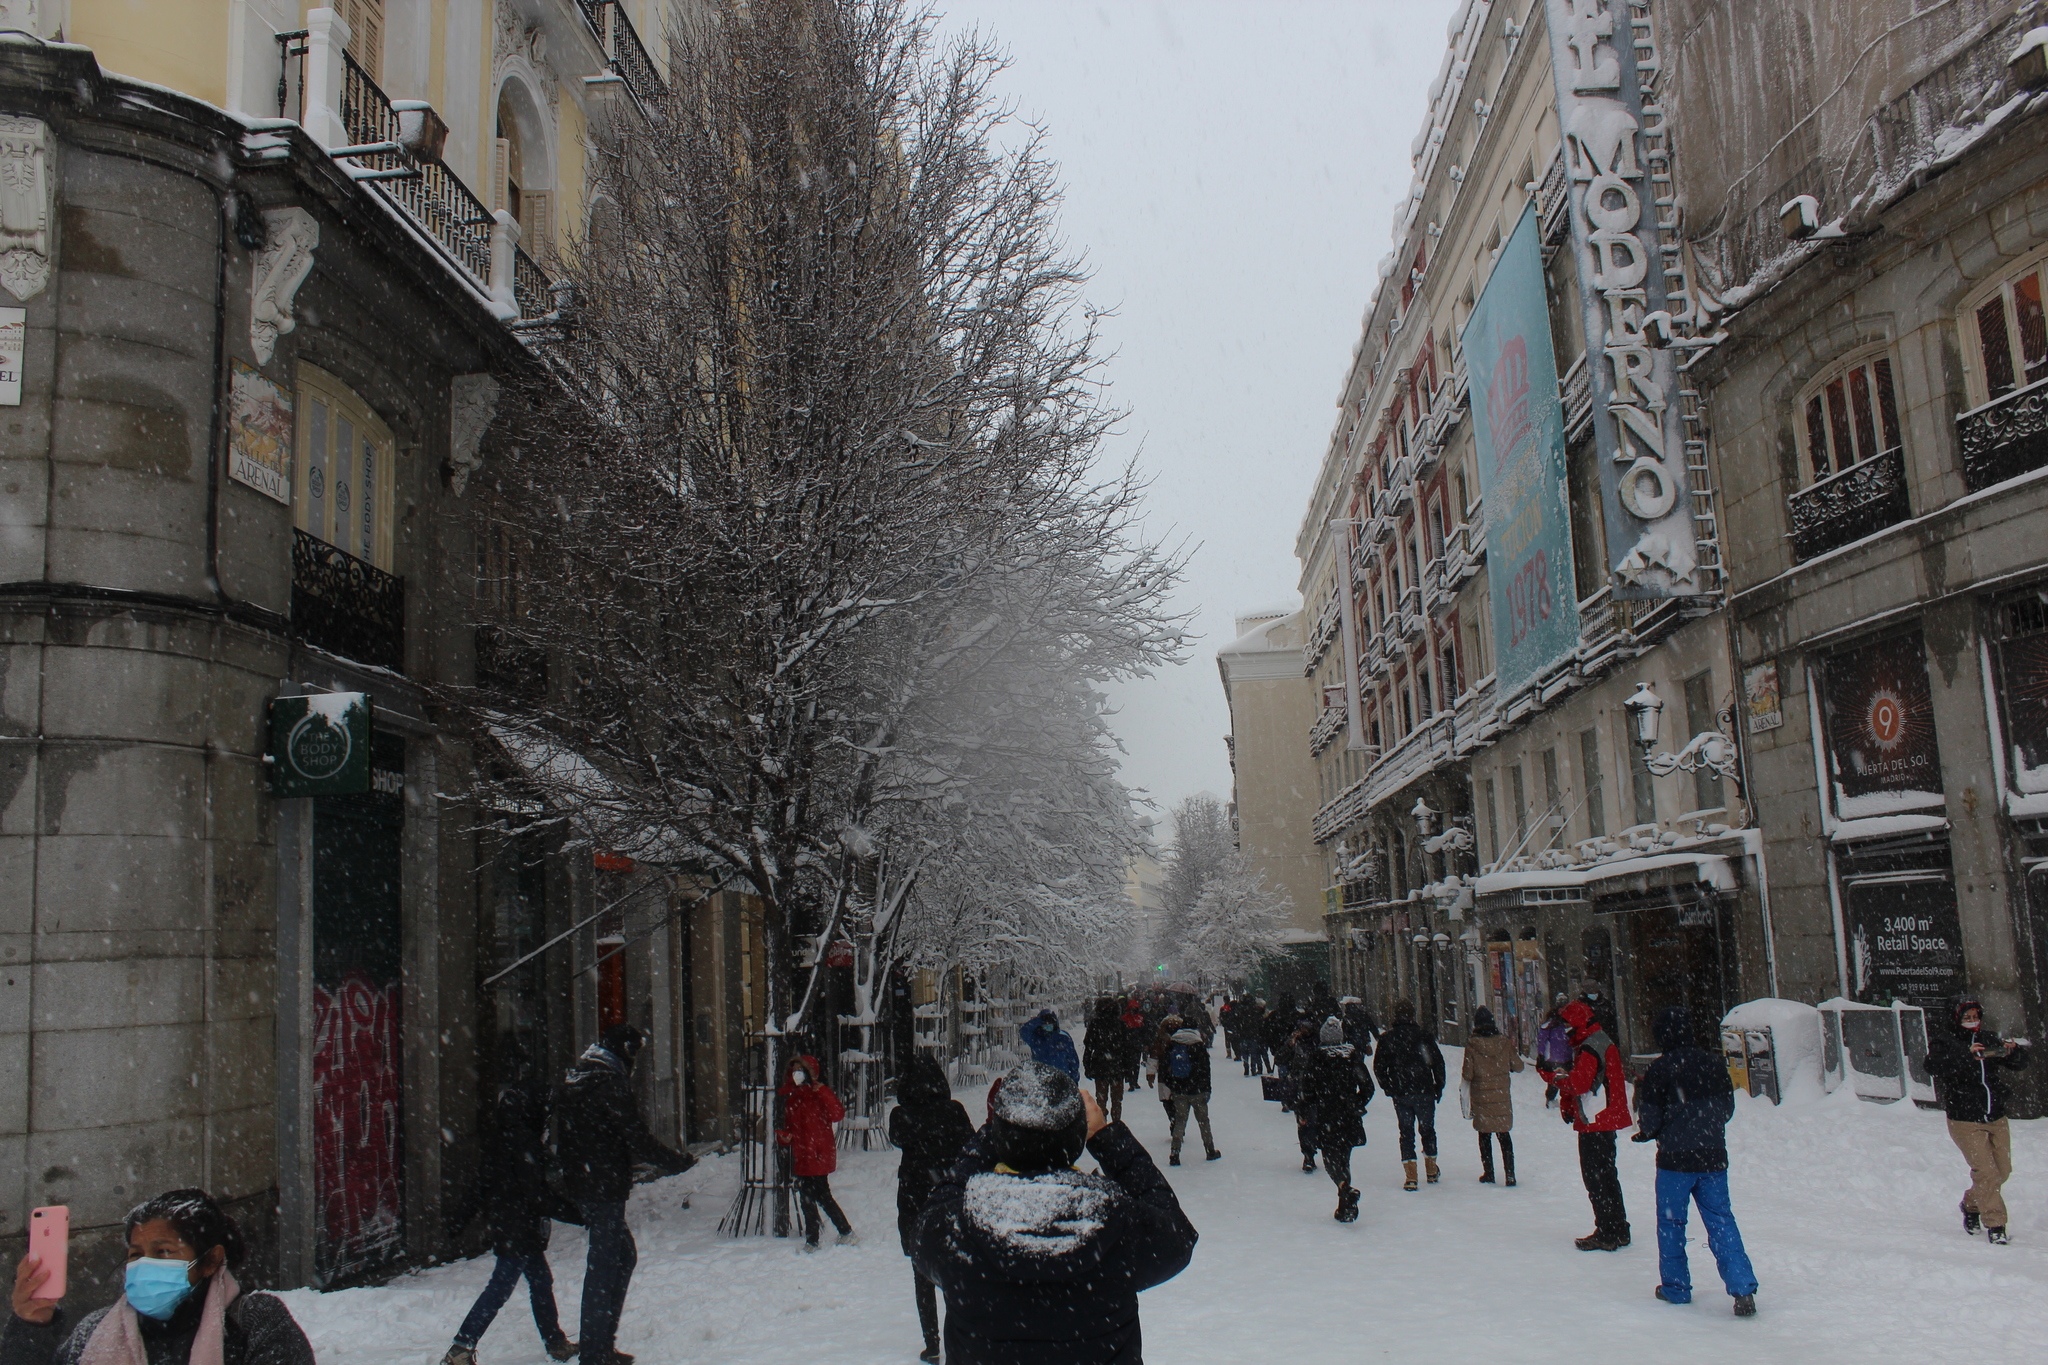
<point>1970,1064</point>
<point>599,1136</point>
<point>1360,1028</point>
<point>1683,1105</point>
<point>930,1127</point>
<point>518,1204</point>
<point>1410,1068</point>
<point>1336,1088</point>
<point>1103,1051</point>
<point>1042,1264</point>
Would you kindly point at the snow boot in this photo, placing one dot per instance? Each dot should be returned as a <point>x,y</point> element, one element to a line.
<point>1409,1168</point>
<point>1308,1163</point>
<point>929,1354</point>
<point>561,1348</point>
<point>1214,1155</point>
<point>1597,1240</point>
<point>460,1355</point>
<point>849,1238</point>
<point>1173,1159</point>
<point>1997,1237</point>
<point>1486,1172</point>
<point>1347,1204</point>
<point>1971,1222</point>
<point>1745,1305</point>
<point>1429,1169</point>
<point>1511,1177</point>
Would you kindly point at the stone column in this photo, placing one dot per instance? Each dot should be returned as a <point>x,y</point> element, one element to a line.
<point>327,35</point>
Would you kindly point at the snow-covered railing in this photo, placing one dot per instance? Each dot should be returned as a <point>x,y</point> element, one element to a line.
<point>1325,729</point>
<point>1851,503</point>
<point>2005,437</point>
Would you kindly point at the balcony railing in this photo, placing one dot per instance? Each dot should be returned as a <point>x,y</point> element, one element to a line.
<point>1575,396</point>
<point>345,605</point>
<point>1328,622</point>
<point>2006,437</point>
<point>1326,728</point>
<point>1849,505</point>
<point>624,53</point>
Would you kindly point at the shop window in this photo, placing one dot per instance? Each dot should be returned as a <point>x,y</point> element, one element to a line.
<point>1590,775</point>
<point>1883,755</point>
<point>2007,335</point>
<point>1850,415</point>
<point>343,482</point>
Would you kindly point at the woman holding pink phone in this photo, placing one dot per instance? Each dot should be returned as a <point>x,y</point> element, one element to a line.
<point>180,1305</point>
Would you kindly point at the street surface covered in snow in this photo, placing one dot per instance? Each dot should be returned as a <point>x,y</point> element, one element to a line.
<point>1848,1209</point>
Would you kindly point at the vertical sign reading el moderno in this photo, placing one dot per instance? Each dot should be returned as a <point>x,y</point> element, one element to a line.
<point>1651,545</point>
<point>1519,430</point>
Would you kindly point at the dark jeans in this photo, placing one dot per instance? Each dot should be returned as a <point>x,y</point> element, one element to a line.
<point>1415,1112</point>
<point>540,1284</point>
<point>812,1193</point>
<point>1603,1183</point>
<point>607,1270</point>
<point>1337,1162</point>
<point>928,1311</point>
<point>1507,1153</point>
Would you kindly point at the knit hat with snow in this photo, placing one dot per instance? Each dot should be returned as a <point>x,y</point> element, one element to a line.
<point>1332,1034</point>
<point>1038,1122</point>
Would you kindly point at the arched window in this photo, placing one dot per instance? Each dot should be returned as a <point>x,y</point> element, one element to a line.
<point>343,482</point>
<point>520,182</point>
<point>2005,333</point>
<point>1849,414</point>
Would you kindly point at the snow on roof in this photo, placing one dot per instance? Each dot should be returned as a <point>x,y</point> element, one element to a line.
<point>1255,641</point>
<point>1712,868</point>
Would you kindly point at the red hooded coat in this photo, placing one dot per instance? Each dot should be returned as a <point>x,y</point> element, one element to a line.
<point>808,1113</point>
<point>1596,1063</point>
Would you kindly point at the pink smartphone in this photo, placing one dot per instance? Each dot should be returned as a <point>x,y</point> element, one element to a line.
<point>49,1241</point>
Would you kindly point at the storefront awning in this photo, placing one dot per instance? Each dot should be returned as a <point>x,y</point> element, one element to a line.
<point>1629,877</point>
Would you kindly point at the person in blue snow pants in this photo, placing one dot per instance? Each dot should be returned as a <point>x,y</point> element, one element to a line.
<point>1683,1105</point>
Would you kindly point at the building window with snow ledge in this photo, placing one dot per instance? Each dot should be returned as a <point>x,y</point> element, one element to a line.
<point>2005,344</point>
<point>1852,460</point>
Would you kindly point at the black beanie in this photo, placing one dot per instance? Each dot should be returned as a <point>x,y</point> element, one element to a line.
<point>1039,1123</point>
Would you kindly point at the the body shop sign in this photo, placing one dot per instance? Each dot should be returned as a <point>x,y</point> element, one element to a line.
<point>1882,755</point>
<point>1520,434</point>
<point>320,745</point>
<point>1637,425</point>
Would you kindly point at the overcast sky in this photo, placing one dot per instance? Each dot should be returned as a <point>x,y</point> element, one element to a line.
<point>1232,170</point>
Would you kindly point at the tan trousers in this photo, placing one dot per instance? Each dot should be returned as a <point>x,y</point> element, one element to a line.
<point>1177,1128</point>
<point>1988,1149</point>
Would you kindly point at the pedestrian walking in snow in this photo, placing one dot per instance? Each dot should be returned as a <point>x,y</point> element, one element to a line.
<point>1184,1078</point>
<point>1593,1099</point>
<point>1135,1037</point>
<point>1226,1019</point>
<point>1490,1059</point>
<point>1683,1105</point>
<point>599,1135</point>
<point>1553,1048</point>
<point>179,1305</point>
<point>809,1111</point>
<point>1410,1068</point>
<point>1361,1030</point>
<point>1102,1054</point>
<point>520,1207</point>
<point>1970,1064</point>
<point>1336,1089</point>
<point>1042,1264</point>
<point>1051,1044</point>
<point>930,1128</point>
<point>1251,1045</point>
<point>1297,1055</point>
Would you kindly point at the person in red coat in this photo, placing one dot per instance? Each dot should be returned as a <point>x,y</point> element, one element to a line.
<point>1593,1098</point>
<point>809,1109</point>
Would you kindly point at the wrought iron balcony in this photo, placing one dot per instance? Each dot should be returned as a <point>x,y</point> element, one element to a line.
<point>1849,505</point>
<point>624,53</point>
<point>1575,395</point>
<point>345,605</point>
<point>2006,437</point>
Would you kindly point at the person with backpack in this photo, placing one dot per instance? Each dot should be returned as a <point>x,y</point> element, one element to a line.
<point>1135,1034</point>
<point>1490,1059</point>
<point>1184,1080</point>
<point>930,1128</point>
<point>1410,1068</point>
<point>1683,1105</point>
<point>1593,1099</point>
<point>1336,1088</point>
<point>1970,1064</point>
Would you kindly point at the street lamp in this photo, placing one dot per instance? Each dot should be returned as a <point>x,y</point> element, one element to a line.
<point>1645,708</point>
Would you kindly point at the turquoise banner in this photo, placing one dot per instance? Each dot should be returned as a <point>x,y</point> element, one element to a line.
<point>1519,428</point>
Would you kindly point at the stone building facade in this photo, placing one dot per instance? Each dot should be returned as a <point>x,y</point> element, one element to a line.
<point>1272,779</point>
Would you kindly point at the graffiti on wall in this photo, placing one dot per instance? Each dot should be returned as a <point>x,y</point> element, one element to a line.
<point>358,1181</point>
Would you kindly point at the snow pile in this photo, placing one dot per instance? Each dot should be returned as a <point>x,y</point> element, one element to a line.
<point>1039,1215</point>
<point>1795,1044</point>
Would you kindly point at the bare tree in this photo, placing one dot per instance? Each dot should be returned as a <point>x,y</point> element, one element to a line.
<point>804,513</point>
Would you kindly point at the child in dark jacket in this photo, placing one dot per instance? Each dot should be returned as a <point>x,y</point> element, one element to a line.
<point>930,1127</point>
<point>1684,1104</point>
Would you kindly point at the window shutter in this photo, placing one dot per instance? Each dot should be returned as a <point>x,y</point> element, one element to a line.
<point>501,162</point>
<point>537,224</point>
<point>366,35</point>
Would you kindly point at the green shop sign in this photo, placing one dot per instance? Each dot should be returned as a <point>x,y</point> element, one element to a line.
<point>320,745</point>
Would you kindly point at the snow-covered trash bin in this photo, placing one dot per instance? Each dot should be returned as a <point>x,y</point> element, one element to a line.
<point>1773,1049</point>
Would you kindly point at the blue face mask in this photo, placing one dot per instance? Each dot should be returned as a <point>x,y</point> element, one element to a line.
<point>155,1288</point>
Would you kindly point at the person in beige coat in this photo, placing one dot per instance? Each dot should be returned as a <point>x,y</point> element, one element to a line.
<point>1489,1060</point>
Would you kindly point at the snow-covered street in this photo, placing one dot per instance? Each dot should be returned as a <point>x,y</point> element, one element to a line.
<point>1848,1209</point>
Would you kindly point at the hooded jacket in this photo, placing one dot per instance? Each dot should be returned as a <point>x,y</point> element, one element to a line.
<point>1185,1042</point>
<point>1409,1062</point>
<point>1335,1088</point>
<point>1050,1044</point>
<point>1971,1088</point>
<point>1596,1076</point>
<point>808,1113</point>
<point>1490,1057</point>
<point>1685,1100</point>
<point>599,1133</point>
<point>1045,1269</point>
<point>929,1127</point>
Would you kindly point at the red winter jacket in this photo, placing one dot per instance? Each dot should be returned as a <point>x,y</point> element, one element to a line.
<point>808,1113</point>
<point>1592,1051</point>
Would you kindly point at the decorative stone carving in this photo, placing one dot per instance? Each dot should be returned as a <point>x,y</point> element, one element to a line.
<point>472,402</point>
<point>281,267</point>
<point>27,194</point>
<point>514,40</point>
